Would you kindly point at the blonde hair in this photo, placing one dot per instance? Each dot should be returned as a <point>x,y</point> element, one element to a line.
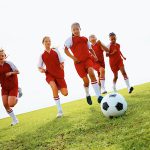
<point>3,51</point>
<point>45,37</point>
<point>92,35</point>
<point>75,24</point>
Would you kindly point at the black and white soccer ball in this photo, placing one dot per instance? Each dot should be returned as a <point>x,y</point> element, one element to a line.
<point>113,105</point>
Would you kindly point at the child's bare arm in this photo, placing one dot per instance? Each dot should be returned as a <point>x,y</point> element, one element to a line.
<point>70,55</point>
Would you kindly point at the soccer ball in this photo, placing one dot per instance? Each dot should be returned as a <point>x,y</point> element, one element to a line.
<point>113,105</point>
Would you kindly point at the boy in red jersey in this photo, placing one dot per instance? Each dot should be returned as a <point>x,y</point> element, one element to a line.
<point>9,85</point>
<point>81,49</point>
<point>54,71</point>
<point>116,62</point>
<point>99,65</point>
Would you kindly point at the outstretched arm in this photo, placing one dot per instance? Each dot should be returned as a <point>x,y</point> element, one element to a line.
<point>104,48</point>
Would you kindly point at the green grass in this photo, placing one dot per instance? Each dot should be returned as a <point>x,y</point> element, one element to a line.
<point>83,127</point>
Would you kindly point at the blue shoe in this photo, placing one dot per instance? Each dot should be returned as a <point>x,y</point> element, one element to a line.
<point>89,100</point>
<point>99,99</point>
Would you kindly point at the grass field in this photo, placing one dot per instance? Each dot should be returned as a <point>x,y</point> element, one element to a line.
<point>83,127</point>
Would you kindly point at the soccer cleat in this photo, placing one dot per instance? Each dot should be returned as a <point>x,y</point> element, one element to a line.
<point>130,90</point>
<point>99,99</point>
<point>20,92</point>
<point>89,100</point>
<point>103,91</point>
<point>14,122</point>
<point>60,114</point>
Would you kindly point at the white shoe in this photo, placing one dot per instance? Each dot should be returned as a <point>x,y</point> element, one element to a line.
<point>14,122</point>
<point>60,114</point>
<point>114,89</point>
<point>103,91</point>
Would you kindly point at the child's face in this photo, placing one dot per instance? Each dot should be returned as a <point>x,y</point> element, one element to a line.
<point>113,39</point>
<point>76,31</point>
<point>93,39</point>
<point>2,57</point>
<point>47,42</point>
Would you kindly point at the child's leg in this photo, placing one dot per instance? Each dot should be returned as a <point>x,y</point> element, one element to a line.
<point>130,89</point>
<point>86,88</point>
<point>12,101</point>
<point>8,102</point>
<point>94,84</point>
<point>114,81</point>
<point>56,96</point>
<point>64,91</point>
<point>102,79</point>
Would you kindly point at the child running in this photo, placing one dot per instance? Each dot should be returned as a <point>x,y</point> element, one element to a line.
<point>9,84</point>
<point>99,65</point>
<point>54,72</point>
<point>116,62</point>
<point>81,49</point>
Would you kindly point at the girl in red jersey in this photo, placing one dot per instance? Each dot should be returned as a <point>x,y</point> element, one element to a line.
<point>116,62</point>
<point>54,71</point>
<point>9,85</point>
<point>80,48</point>
<point>99,65</point>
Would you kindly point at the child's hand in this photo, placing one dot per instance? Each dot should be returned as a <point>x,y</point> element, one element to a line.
<point>95,57</point>
<point>62,66</point>
<point>42,70</point>
<point>76,60</point>
<point>107,54</point>
<point>8,74</point>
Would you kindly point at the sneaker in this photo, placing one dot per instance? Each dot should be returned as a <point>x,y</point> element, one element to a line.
<point>99,99</point>
<point>14,122</point>
<point>20,92</point>
<point>130,90</point>
<point>60,114</point>
<point>89,100</point>
<point>103,91</point>
<point>114,89</point>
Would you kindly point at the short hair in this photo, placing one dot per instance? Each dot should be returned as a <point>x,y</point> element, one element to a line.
<point>112,34</point>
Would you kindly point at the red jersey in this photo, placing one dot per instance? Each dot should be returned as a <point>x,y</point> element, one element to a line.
<point>79,47</point>
<point>10,82</point>
<point>116,57</point>
<point>99,52</point>
<point>52,62</point>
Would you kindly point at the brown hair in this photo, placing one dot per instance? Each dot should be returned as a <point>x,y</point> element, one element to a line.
<point>75,24</point>
<point>45,38</point>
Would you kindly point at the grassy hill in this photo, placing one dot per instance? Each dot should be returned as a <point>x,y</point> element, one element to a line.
<point>83,127</point>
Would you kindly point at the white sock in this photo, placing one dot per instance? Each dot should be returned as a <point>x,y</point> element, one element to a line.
<point>86,91</point>
<point>96,88</point>
<point>57,101</point>
<point>127,83</point>
<point>12,115</point>
<point>102,84</point>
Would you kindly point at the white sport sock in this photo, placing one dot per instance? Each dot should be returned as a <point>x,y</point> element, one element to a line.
<point>86,91</point>
<point>57,101</point>
<point>103,84</point>
<point>96,88</point>
<point>127,83</point>
<point>12,115</point>
<point>114,87</point>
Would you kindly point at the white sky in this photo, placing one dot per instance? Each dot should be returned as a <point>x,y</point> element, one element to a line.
<point>23,23</point>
